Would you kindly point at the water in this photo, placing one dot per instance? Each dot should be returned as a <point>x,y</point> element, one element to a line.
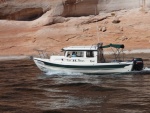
<point>24,89</point>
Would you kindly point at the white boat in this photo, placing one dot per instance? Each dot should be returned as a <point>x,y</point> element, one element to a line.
<point>87,59</point>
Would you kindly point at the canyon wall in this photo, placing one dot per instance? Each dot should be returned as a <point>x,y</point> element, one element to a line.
<point>53,24</point>
<point>32,9</point>
<point>115,5</point>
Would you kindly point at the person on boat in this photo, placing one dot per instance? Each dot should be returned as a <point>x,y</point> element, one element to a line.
<point>68,55</point>
<point>74,54</point>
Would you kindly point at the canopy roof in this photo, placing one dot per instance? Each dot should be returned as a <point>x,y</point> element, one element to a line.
<point>114,45</point>
<point>80,48</point>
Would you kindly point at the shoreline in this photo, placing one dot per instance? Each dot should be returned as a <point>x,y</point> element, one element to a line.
<point>17,57</point>
<point>25,57</point>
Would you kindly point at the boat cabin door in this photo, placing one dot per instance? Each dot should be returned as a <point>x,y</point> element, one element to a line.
<point>100,55</point>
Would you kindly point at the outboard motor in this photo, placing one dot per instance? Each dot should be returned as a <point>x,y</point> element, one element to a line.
<point>137,64</point>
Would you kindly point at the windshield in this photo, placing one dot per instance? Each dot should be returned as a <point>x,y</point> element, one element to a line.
<point>75,54</point>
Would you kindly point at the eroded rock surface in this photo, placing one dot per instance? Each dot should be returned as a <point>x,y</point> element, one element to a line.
<point>32,9</point>
<point>53,24</point>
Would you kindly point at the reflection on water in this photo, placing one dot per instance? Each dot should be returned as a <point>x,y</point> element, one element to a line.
<point>23,88</point>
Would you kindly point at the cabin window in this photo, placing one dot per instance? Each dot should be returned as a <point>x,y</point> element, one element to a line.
<point>80,53</point>
<point>75,54</point>
<point>64,53</point>
<point>89,53</point>
<point>68,54</point>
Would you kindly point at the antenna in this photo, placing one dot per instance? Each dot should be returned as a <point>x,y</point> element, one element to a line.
<point>143,5</point>
<point>97,25</point>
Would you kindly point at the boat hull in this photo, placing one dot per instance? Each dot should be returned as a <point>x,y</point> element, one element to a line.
<point>100,68</point>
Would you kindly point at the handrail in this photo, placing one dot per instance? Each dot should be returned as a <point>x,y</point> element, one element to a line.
<point>44,54</point>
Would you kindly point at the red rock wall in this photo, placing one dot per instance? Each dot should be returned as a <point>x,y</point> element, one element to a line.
<point>32,9</point>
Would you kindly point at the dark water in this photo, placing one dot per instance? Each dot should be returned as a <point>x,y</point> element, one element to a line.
<point>24,89</point>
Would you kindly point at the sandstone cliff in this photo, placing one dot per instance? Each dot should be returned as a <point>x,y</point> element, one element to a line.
<point>32,9</point>
<point>26,25</point>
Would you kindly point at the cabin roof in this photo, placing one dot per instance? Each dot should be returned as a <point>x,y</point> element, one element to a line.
<point>80,48</point>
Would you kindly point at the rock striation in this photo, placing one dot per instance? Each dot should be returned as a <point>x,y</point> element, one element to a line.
<point>26,25</point>
<point>32,9</point>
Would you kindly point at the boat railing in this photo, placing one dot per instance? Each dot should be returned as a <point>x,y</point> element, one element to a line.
<point>46,54</point>
<point>42,53</point>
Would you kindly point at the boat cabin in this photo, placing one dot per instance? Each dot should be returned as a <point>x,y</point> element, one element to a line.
<point>78,54</point>
<point>80,51</point>
<point>87,54</point>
